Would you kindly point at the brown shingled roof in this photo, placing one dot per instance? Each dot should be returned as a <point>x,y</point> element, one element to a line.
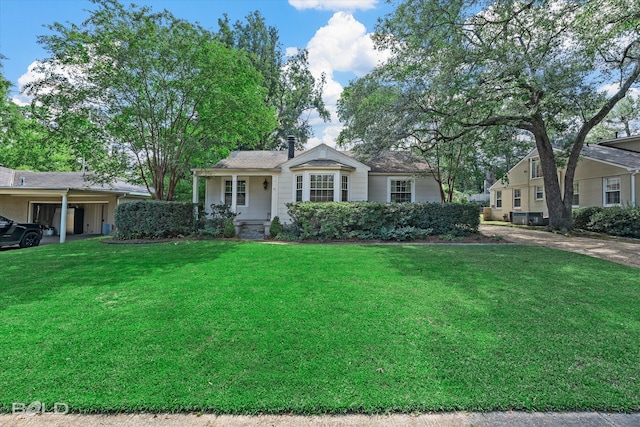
<point>384,162</point>
<point>10,178</point>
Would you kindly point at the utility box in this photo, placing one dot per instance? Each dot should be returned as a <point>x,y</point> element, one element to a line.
<point>529,218</point>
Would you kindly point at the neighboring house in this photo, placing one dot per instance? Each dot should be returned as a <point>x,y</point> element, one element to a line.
<point>64,201</point>
<point>607,174</point>
<point>258,184</point>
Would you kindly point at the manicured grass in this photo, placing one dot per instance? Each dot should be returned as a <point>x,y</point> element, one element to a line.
<point>233,327</point>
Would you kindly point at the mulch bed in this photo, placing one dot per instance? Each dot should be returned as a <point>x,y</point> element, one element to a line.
<point>470,239</point>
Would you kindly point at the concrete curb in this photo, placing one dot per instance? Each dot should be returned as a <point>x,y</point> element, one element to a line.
<point>449,419</point>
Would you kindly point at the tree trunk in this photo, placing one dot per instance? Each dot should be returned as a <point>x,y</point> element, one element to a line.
<point>559,216</point>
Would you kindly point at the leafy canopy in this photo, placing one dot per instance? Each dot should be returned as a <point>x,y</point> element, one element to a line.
<point>537,67</point>
<point>157,92</point>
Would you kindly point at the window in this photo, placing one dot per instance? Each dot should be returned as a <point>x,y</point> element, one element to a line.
<point>321,188</point>
<point>345,188</point>
<point>612,191</point>
<point>576,195</point>
<point>517,198</point>
<point>298,188</point>
<point>400,191</point>
<point>241,193</point>
<point>498,199</point>
<point>539,191</point>
<point>536,168</point>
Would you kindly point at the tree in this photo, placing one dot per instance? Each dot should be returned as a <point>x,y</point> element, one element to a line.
<point>622,120</point>
<point>25,142</point>
<point>534,66</point>
<point>153,91</point>
<point>291,89</point>
<point>381,114</point>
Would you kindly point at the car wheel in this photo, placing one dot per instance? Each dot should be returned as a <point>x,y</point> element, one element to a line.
<point>30,239</point>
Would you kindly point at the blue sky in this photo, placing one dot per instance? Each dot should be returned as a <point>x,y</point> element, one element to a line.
<point>336,33</point>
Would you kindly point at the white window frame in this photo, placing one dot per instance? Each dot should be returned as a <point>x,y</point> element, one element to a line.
<point>534,163</point>
<point>332,189</point>
<point>605,190</point>
<point>536,193</point>
<point>299,178</point>
<point>518,198</point>
<point>576,193</point>
<point>411,181</point>
<point>246,191</point>
<point>498,199</point>
<point>306,184</point>
<point>344,178</point>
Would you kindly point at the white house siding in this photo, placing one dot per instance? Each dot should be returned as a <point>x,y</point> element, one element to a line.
<point>427,190</point>
<point>378,188</point>
<point>15,208</point>
<point>285,195</point>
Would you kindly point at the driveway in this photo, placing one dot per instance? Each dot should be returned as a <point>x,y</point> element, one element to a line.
<point>622,251</point>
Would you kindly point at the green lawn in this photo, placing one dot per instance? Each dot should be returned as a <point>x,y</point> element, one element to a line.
<point>233,327</point>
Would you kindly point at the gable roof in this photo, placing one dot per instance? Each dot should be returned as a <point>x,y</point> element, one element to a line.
<point>383,162</point>
<point>25,179</point>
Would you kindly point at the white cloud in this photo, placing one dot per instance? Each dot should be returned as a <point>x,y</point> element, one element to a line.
<point>334,4</point>
<point>343,45</point>
<point>21,100</point>
<point>612,88</point>
<point>30,76</point>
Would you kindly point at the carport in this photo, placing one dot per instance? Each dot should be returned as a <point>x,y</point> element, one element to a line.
<point>68,201</point>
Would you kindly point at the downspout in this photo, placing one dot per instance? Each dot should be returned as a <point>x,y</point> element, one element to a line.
<point>633,188</point>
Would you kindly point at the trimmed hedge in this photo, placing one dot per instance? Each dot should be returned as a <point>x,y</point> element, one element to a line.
<point>153,219</point>
<point>616,221</point>
<point>379,221</point>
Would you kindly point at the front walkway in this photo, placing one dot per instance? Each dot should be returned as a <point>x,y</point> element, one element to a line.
<point>622,251</point>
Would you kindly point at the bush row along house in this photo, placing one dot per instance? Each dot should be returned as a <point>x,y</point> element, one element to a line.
<point>608,174</point>
<point>258,184</point>
<point>65,202</point>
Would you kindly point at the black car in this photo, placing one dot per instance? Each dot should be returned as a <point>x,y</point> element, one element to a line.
<point>13,233</point>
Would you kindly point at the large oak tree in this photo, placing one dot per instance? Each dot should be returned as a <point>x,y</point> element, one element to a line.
<point>155,91</point>
<point>539,67</point>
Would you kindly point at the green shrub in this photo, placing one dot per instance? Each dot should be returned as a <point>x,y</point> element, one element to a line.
<point>229,229</point>
<point>582,216</point>
<point>384,221</point>
<point>151,219</point>
<point>276,227</point>
<point>213,224</point>
<point>616,221</point>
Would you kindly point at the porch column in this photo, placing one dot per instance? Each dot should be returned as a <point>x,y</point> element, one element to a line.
<point>63,219</point>
<point>234,193</point>
<point>194,196</point>
<point>274,196</point>
<point>336,188</point>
